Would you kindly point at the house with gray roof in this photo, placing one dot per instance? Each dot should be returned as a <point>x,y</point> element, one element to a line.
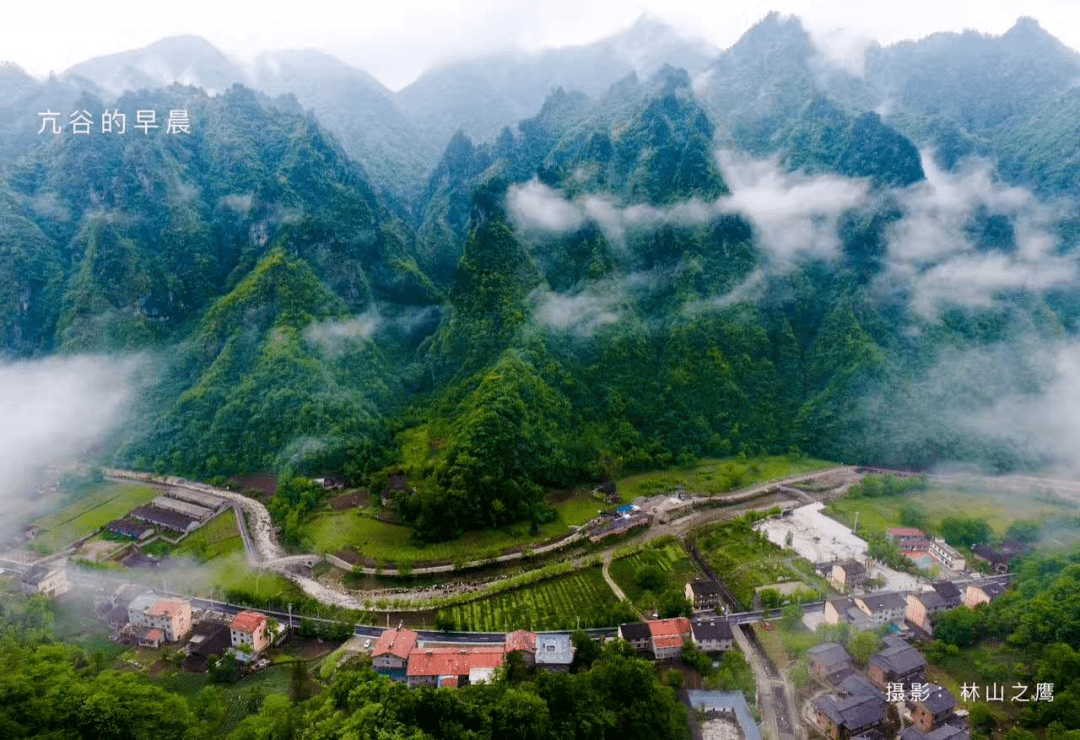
<point>931,706</point>
<point>712,635</point>
<point>843,719</point>
<point>896,665</point>
<point>856,684</point>
<point>948,591</point>
<point>637,634</point>
<point>882,608</point>
<point>554,651</point>
<point>828,659</point>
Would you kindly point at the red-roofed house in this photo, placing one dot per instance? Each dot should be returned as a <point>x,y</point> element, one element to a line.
<point>668,636</point>
<point>391,654</point>
<point>171,616</point>
<point>433,666</point>
<point>247,632</point>
<point>150,637</point>
<point>523,642</point>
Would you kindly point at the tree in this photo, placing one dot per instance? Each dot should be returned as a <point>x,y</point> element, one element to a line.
<point>793,613</point>
<point>675,604</point>
<point>913,515</point>
<point>650,578</point>
<point>864,644</point>
<point>963,532</point>
<point>1025,530</point>
<point>586,651</point>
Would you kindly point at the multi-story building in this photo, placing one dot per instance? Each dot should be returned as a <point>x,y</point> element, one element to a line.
<point>50,580</point>
<point>247,633</point>
<point>703,594</point>
<point>945,554</point>
<point>391,654</point>
<point>848,576</point>
<point>171,616</point>
<point>882,608</point>
<point>712,635</point>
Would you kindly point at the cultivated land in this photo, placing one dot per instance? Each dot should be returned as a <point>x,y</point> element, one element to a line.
<point>747,560</point>
<point>101,504</point>
<point>669,556</point>
<point>998,507</point>
<point>219,536</point>
<point>553,604</point>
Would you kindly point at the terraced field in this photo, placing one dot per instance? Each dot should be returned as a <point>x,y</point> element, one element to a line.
<point>555,604</point>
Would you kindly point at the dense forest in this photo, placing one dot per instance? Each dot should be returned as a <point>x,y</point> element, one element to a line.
<point>746,259</point>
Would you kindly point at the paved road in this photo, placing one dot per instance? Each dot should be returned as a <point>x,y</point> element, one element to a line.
<point>614,586</point>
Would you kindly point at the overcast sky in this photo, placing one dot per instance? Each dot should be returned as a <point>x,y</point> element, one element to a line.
<point>397,40</point>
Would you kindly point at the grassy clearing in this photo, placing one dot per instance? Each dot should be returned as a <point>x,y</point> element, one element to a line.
<point>331,531</point>
<point>998,508</point>
<point>552,604</point>
<point>718,476</point>
<point>74,622</point>
<point>748,560</point>
<point>670,557</point>
<point>102,504</point>
<point>785,645</point>
<point>220,536</point>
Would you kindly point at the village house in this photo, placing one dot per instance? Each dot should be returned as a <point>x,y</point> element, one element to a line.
<point>554,651</point>
<point>703,594</point>
<point>522,642</point>
<point>130,528</point>
<point>171,616</point>
<point>921,605</point>
<point>983,593</point>
<point>828,659</point>
<point>50,580</point>
<point>945,554</point>
<point>882,608</point>
<point>453,666</point>
<point>843,719</point>
<point>843,609</point>
<point>998,558</point>
<point>948,591</point>
<point>210,638</point>
<point>391,654</point>
<point>637,634</point>
<point>248,634</point>
<point>909,539</point>
<point>848,576</point>
<point>931,706</point>
<point>856,684</point>
<point>668,636</point>
<point>901,664</point>
<point>712,635</point>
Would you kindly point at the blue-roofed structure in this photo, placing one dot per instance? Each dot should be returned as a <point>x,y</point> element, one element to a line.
<point>727,702</point>
<point>626,509</point>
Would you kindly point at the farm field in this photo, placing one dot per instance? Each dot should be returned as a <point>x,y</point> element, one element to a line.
<point>747,560</point>
<point>670,557</point>
<point>220,536</point>
<point>718,475</point>
<point>552,604</point>
<point>999,508</point>
<point>103,503</point>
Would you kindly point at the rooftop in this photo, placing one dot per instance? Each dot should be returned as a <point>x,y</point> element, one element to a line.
<point>248,622</point>
<point>521,640</point>
<point>854,712</point>
<point>705,588</point>
<point>829,654</point>
<point>454,661</point>
<point>554,648</point>
<point>169,608</point>
<point>397,642</point>
<point>898,661</point>
<point>676,626</point>
<point>635,631</point>
<point>940,700</point>
<point>711,629</point>
<point>883,602</point>
<point>852,568</point>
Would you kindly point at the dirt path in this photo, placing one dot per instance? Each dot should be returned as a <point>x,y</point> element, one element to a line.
<point>614,586</point>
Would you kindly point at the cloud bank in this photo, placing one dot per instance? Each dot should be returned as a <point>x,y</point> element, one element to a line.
<point>51,411</point>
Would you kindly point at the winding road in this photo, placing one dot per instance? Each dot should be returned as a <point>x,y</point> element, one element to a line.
<point>265,552</point>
